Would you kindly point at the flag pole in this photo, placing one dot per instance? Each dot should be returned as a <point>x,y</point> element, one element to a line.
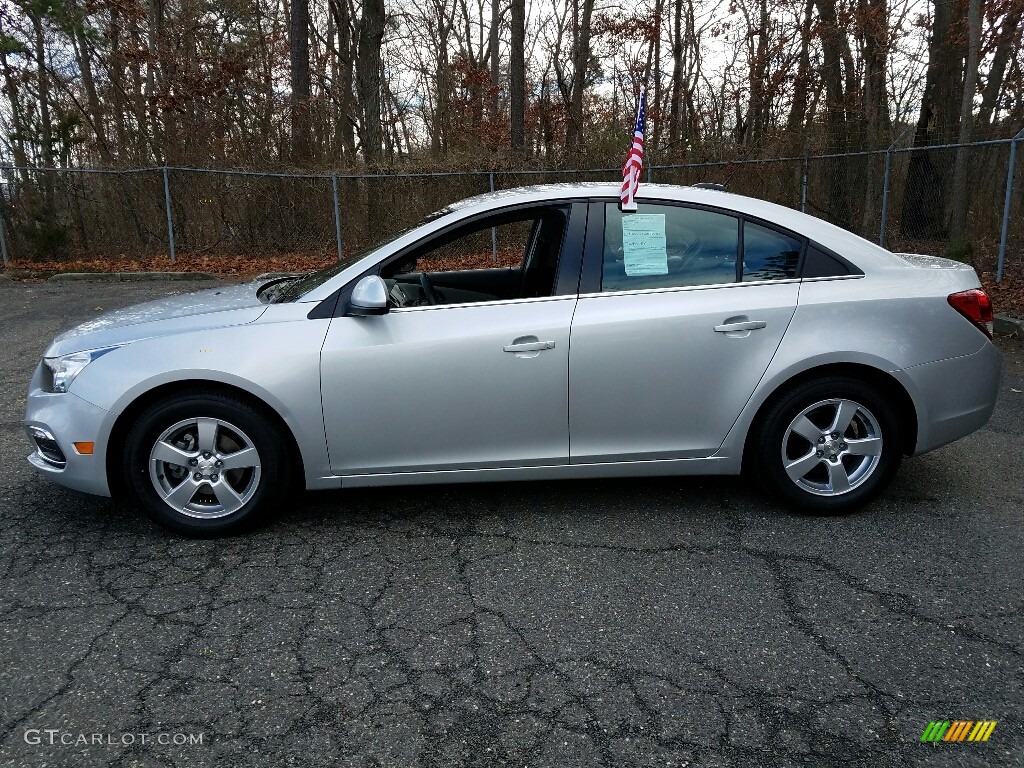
<point>634,161</point>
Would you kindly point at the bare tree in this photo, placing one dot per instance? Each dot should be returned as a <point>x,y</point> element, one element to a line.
<point>573,87</point>
<point>960,191</point>
<point>927,185</point>
<point>517,75</point>
<point>1006,43</point>
<point>298,41</point>
<point>371,35</point>
<point>836,48</point>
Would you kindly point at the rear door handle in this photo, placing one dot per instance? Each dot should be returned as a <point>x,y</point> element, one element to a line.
<point>749,325</point>
<point>529,346</point>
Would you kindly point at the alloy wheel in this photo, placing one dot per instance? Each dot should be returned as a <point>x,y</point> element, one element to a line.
<point>832,447</point>
<point>204,468</point>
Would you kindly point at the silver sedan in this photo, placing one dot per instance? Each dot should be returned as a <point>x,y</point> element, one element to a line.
<point>531,334</point>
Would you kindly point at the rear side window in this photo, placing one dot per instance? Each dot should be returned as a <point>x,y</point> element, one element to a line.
<point>817,263</point>
<point>769,255</point>
<point>667,246</point>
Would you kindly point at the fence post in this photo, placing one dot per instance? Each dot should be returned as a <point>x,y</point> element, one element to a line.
<point>650,175</point>
<point>3,240</point>
<point>494,231</point>
<point>170,223</point>
<point>885,187</point>
<point>803,180</point>
<point>337,214</point>
<point>1007,204</point>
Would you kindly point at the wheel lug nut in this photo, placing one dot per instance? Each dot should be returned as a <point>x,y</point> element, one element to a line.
<point>193,462</point>
<point>207,454</point>
<point>218,463</point>
<point>842,446</point>
<point>821,439</point>
<point>820,454</point>
<point>213,478</point>
<point>835,435</point>
<point>197,477</point>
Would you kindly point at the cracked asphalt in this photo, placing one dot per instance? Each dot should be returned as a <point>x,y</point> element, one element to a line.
<point>666,622</point>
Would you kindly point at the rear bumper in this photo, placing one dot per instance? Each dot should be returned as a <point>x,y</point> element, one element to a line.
<point>69,419</point>
<point>954,397</point>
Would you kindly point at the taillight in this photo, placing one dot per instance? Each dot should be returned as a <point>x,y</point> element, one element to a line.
<point>976,306</point>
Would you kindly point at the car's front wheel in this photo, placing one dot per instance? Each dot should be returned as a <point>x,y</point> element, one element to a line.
<point>205,463</point>
<point>829,445</point>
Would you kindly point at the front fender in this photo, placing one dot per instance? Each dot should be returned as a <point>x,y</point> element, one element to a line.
<point>276,361</point>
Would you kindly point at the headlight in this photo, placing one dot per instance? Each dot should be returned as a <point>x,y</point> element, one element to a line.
<point>59,372</point>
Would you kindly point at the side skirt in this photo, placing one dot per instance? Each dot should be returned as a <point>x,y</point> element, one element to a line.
<point>704,466</point>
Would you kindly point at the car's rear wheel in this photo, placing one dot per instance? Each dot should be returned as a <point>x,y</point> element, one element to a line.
<point>830,445</point>
<point>205,464</point>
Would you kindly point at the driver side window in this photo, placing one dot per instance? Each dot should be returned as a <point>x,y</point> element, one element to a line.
<point>506,256</point>
<point>667,246</point>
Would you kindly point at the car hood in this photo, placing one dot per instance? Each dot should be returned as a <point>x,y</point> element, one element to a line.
<point>212,308</point>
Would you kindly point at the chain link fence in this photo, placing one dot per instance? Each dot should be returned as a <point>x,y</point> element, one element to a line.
<point>901,197</point>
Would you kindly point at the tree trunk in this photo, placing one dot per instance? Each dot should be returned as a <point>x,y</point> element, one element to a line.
<point>517,75</point>
<point>344,119</point>
<point>757,118</point>
<point>801,86</point>
<point>675,125</point>
<point>874,35</point>
<point>928,174</point>
<point>659,11</point>
<point>1009,42</point>
<point>494,49</point>
<point>17,137</point>
<point>97,117</point>
<point>961,193</point>
<point>371,35</point>
<point>298,40</point>
<point>833,40</point>
<point>581,63</point>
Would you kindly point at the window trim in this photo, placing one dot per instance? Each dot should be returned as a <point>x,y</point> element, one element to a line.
<point>567,276</point>
<point>593,256</point>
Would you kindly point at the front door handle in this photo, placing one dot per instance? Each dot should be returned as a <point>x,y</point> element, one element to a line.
<point>528,346</point>
<point>748,325</point>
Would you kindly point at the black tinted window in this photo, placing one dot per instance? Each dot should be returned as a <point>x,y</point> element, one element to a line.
<point>769,255</point>
<point>817,263</point>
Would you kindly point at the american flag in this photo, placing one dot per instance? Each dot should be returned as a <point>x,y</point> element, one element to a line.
<point>634,161</point>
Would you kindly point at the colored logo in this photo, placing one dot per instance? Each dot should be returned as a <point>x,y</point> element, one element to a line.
<point>958,730</point>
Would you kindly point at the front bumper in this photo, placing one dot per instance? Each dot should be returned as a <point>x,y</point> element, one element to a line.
<point>69,419</point>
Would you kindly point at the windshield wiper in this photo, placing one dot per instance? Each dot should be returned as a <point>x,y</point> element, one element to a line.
<point>271,291</point>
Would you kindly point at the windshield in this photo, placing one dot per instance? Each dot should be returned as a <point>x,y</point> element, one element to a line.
<point>299,286</point>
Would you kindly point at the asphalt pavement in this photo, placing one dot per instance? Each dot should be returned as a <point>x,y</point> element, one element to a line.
<point>665,622</point>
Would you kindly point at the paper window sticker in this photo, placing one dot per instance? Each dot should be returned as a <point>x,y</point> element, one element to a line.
<point>644,248</point>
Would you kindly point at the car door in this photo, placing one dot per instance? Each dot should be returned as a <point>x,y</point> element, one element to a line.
<point>673,331</point>
<point>455,386</point>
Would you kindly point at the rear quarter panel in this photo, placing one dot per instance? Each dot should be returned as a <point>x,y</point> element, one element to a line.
<point>891,320</point>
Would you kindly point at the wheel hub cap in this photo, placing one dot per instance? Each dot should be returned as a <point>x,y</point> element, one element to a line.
<point>832,447</point>
<point>204,468</point>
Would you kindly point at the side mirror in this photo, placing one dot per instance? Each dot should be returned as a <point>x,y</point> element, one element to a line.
<point>369,297</point>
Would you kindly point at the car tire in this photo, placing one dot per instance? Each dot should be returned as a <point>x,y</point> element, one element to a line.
<point>828,446</point>
<point>206,464</point>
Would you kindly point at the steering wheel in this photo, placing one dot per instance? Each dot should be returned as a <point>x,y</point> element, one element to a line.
<point>428,290</point>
